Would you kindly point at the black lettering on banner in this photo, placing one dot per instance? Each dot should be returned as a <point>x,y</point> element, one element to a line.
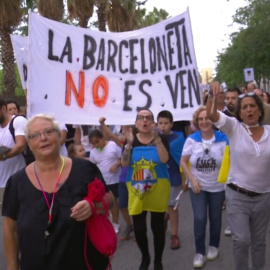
<point>67,51</point>
<point>176,25</point>
<point>192,87</point>
<point>149,99</point>
<point>50,51</point>
<point>122,44</point>
<point>183,88</point>
<point>173,90</point>
<point>152,55</point>
<point>90,47</point>
<point>101,55</point>
<point>193,83</point>
<point>186,47</point>
<point>143,70</point>
<point>111,55</point>
<point>132,57</point>
<point>170,50</point>
<point>25,72</point>
<point>127,96</point>
<point>161,53</point>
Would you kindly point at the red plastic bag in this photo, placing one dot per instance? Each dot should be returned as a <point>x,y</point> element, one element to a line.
<point>99,229</point>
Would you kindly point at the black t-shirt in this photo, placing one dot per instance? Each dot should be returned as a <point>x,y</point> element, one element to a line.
<point>63,249</point>
<point>163,137</point>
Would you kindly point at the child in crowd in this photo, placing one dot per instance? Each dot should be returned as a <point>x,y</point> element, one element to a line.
<point>76,150</point>
<point>176,141</point>
<point>122,188</point>
<point>107,156</point>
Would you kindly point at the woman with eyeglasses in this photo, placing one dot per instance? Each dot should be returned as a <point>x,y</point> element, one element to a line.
<point>248,185</point>
<point>148,185</point>
<point>203,150</point>
<point>44,208</point>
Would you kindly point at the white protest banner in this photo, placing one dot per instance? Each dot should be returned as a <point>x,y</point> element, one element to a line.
<point>81,75</point>
<point>20,48</point>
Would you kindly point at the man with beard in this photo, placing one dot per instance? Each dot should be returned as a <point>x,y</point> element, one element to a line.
<point>231,100</point>
<point>11,159</point>
<point>266,119</point>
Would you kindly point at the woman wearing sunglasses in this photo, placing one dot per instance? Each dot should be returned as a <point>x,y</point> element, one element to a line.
<point>204,151</point>
<point>248,191</point>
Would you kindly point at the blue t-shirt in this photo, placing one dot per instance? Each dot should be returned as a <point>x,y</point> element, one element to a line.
<point>175,155</point>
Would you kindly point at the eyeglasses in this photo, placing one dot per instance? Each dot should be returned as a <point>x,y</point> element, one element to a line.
<point>250,94</point>
<point>146,117</point>
<point>48,132</point>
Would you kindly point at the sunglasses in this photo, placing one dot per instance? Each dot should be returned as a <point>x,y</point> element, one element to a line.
<point>250,94</point>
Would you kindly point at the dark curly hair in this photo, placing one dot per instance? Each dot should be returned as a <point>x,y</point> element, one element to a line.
<point>257,101</point>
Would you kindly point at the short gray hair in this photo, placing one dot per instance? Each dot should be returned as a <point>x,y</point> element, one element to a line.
<point>47,117</point>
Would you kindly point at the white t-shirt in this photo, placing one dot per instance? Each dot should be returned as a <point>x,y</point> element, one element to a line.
<point>205,160</point>
<point>85,131</point>
<point>250,161</point>
<point>11,165</point>
<point>105,158</point>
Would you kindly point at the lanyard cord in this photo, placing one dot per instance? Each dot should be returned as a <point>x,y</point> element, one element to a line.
<point>50,205</point>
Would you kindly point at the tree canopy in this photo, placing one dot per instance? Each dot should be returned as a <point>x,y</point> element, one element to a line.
<point>250,47</point>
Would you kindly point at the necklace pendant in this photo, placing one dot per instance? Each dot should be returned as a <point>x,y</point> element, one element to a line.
<point>46,234</point>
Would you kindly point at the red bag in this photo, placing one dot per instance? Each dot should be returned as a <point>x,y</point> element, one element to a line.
<point>98,228</point>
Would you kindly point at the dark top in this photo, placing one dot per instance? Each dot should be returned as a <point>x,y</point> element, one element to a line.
<point>163,138</point>
<point>181,126</point>
<point>173,167</point>
<point>64,247</point>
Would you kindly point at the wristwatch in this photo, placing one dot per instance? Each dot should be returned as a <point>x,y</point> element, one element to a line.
<point>4,157</point>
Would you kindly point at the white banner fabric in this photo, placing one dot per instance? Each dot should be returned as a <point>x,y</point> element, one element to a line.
<point>80,75</point>
<point>20,48</point>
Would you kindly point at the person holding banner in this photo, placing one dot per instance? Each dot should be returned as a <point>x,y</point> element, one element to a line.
<point>204,151</point>
<point>45,209</point>
<point>248,189</point>
<point>147,154</point>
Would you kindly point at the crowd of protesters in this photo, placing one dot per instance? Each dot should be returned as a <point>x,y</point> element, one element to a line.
<point>139,166</point>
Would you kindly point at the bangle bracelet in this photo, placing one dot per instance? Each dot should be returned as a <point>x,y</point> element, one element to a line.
<point>128,148</point>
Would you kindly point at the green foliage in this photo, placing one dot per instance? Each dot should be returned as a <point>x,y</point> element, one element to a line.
<point>250,47</point>
<point>152,17</point>
<point>18,90</point>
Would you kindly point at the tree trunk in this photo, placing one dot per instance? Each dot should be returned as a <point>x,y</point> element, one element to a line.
<point>101,13</point>
<point>8,62</point>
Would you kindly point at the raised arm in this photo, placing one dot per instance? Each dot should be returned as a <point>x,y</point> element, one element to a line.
<point>211,105</point>
<point>107,133</point>
<point>125,159</point>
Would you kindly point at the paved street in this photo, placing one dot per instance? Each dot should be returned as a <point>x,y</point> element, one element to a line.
<point>127,256</point>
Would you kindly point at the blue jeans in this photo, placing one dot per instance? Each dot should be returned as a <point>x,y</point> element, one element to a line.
<point>202,203</point>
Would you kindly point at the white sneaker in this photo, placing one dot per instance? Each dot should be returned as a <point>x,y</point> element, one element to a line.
<point>212,253</point>
<point>228,231</point>
<point>198,260</point>
<point>116,227</point>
